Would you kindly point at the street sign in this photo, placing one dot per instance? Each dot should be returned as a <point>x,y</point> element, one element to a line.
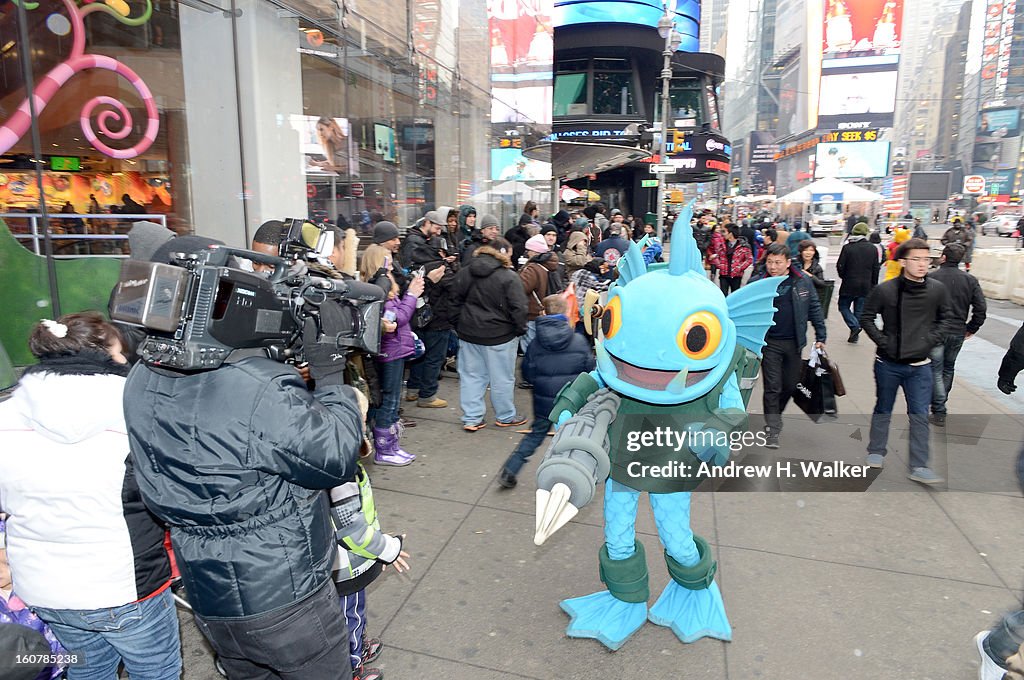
<point>648,183</point>
<point>358,189</point>
<point>974,184</point>
<point>662,169</point>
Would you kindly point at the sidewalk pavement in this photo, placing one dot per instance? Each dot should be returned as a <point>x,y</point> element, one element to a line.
<point>888,583</point>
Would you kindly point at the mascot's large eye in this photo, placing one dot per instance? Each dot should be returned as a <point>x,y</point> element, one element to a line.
<point>611,320</point>
<point>699,335</point>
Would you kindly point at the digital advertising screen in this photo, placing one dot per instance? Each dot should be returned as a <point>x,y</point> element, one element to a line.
<point>643,12</point>
<point>522,59</point>
<point>863,97</point>
<point>851,160</point>
<point>511,164</point>
<point>861,32</point>
<point>999,123</point>
<point>327,145</point>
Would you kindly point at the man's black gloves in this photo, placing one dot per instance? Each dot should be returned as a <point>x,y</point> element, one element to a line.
<point>1006,386</point>
<point>326,359</point>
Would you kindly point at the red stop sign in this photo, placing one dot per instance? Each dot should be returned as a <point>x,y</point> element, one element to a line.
<point>310,191</point>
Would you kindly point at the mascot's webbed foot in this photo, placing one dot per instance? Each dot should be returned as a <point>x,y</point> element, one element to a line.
<point>604,617</point>
<point>692,614</point>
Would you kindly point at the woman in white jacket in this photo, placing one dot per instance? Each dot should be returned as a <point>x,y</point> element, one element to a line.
<point>84,551</point>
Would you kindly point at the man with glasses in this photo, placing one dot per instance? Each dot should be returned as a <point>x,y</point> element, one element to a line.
<point>915,312</point>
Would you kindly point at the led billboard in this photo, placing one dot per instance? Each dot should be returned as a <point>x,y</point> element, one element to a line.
<point>868,98</point>
<point>509,164</point>
<point>851,160</point>
<point>522,57</point>
<point>861,33</point>
<point>999,123</point>
<point>643,12</point>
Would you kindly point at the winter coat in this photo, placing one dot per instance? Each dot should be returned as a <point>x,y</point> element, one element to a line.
<point>488,301</point>
<point>419,249</point>
<point>914,314</point>
<point>439,297</point>
<point>964,296</point>
<point>733,258</point>
<point>517,236</point>
<point>806,306</point>
<point>958,234</point>
<point>400,344</point>
<point>464,229</point>
<point>1013,360</point>
<point>78,535</point>
<point>535,283</point>
<point>236,460</point>
<point>577,252</point>
<point>555,357</point>
<point>610,250</point>
<point>814,272</point>
<point>858,267</point>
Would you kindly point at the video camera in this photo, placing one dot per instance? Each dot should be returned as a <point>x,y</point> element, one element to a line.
<point>201,309</point>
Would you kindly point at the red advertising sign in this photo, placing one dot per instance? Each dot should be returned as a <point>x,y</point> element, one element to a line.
<point>358,190</point>
<point>862,28</point>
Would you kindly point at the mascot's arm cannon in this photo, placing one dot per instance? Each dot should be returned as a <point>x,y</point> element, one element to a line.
<point>575,462</point>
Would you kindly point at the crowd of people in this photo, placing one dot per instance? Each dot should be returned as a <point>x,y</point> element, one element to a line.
<point>245,487</point>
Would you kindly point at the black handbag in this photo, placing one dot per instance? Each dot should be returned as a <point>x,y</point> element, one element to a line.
<point>815,392</point>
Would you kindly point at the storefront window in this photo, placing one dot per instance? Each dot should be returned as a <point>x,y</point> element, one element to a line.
<point>613,87</point>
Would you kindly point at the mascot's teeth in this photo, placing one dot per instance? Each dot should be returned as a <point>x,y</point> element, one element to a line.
<point>604,360</point>
<point>678,383</point>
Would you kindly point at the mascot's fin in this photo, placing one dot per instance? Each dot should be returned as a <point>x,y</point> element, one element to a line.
<point>631,264</point>
<point>685,256</point>
<point>751,309</point>
<point>604,617</point>
<point>691,614</point>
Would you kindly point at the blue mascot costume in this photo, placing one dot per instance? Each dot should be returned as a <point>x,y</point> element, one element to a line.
<point>675,363</point>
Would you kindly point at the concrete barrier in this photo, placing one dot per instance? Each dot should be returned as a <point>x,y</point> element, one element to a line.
<point>998,270</point>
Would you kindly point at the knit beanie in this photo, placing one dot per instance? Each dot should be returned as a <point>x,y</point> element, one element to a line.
<point>537,244</point>
<point>861,229</point>
<point>384,232</point>
<point>487,221</point>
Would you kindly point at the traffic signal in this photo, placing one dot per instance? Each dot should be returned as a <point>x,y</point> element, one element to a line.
<point>735,182</point>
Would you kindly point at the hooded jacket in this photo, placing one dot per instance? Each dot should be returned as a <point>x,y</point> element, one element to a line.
<point>914,318</point>
<point>488,300</point>
<point>400,344</point>
<point>67,480</point>
<point>556,357</point>
<point>535,282</point>
<point>237,460</point>
<point>577,252</point>
<point>465,231</point>
<point>858,266</point>
<point>419,249</point>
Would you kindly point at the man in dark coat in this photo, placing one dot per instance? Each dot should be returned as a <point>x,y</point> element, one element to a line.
<point>488,299</point>
<point>1012,364</point>
<point>517,236</point>
<point>555,357</point>
<point>237,461</point>
<point>858,268</point>
<point>965,297</point>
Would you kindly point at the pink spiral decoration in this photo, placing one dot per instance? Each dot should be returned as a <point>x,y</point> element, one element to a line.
<point>18,124</point>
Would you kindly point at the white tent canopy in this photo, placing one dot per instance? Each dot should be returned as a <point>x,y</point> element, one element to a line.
<point>850,192</point>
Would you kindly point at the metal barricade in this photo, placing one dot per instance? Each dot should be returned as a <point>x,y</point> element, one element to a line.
<point>77,234</point>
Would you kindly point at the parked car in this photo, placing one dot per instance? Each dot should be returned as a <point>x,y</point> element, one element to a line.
<point>1001,225</point>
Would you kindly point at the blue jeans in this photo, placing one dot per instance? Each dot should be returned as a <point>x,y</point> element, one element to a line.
<point>916,382</point>
<point>142,634</point>
<point>390,374</point>
<point>852,318</point>
<point>424,371</point>
<point>531,333</point>
<point>483,365</point>
<point>943,358</point>
<point>528,444</point>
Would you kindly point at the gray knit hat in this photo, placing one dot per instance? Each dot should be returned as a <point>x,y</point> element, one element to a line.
<point>487,221</point>
<point>145,237</point>
<point>384,232</point>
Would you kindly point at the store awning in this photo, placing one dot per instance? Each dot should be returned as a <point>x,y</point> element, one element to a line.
<point>572,160</point>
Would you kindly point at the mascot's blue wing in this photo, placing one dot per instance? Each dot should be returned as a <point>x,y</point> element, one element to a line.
<point>751,309</point>
<point>631,265</point>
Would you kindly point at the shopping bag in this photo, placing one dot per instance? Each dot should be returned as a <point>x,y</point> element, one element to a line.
<point>815,391</point>
<point>572,311</point>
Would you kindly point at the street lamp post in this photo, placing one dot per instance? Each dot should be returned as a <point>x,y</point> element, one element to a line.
<point>666,29</point>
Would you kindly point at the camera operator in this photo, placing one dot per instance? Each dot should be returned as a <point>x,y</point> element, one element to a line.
<point>235,459</point>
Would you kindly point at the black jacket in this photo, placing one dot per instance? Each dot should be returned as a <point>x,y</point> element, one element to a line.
<point>806,306</point>
<point>1013,360</point>
<point>439,296</point>
<point>914,318</point>
<point>419,249</point>
<point>236,461</point>
<point>964,296</point>
<point>488,302</point>
<point>555,357</point>
<point>858,267</point>
<point>517,236</point>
